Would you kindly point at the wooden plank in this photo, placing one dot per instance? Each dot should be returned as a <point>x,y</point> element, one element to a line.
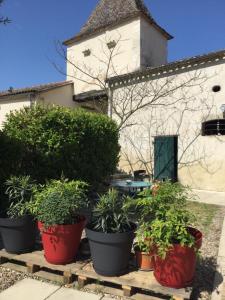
<point>144,297</point>
<point>128,291</point>
<point>7,255</point>
<point>37,258</point>
<point>31,268</point>
<point>136,279</point>
<point>50,276</point>
<point>82,281</point>
<point>67,277</point>
<point>14,267</point>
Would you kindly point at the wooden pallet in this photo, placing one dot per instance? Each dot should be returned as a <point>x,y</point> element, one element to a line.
<point>132,281</point>
<point>83,272</point>
<point>35,263</point>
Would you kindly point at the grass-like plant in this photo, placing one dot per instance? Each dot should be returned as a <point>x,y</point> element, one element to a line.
<point>20,192</point>
<point>59,202</point>
<point>112,213</point>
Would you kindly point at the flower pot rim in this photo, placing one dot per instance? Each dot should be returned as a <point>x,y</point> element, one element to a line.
<point>88,227</point>
<point>82,219</point>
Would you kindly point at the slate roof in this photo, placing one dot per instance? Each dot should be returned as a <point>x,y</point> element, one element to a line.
<point>183,64</point>
<point>111,12</point>
<point>34,89</point>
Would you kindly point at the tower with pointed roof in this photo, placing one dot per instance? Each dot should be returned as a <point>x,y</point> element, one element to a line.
<point>120,36</point>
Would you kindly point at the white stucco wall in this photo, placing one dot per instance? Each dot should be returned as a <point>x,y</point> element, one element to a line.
<point>126,59</point>
<point>10,104</point>
<point>62,96</point>
<point>154,50</point>
<point>59,96</point>
<point>201,158</point>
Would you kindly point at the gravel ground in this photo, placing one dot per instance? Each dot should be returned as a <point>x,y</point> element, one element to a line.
<point>206,266</point>
<point>203,284</point>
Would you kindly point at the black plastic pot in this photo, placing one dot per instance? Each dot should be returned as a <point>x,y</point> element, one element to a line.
<point>110,252</point>
<point>18,235</point>
<point>1,242</point>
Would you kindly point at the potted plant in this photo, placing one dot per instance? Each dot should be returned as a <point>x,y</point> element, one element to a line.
<point>163,212</point>
<point>111,234</point>
<point>59,204</point>
<point>177,244</point>
<point>144,249</point>
<point>18,228</point>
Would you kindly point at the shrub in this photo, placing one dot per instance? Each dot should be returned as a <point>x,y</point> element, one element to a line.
<point>59,202</point>
<point>112,212</point>
<point>10,152</point>
<point>57,140</point>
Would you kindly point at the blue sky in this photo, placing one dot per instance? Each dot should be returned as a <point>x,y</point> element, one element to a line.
<point>27,44</point>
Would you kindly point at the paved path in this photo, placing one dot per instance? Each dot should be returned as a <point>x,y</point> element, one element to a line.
<point>219,282</point>
<point>29,289</point>
<point>210,197</point>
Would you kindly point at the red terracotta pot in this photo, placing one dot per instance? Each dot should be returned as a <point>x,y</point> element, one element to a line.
<point>61,242</point>
<point>178,268</point>
<point>145,261</point>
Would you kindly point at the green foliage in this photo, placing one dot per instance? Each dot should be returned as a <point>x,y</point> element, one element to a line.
<point>171,229</point>
<point>58,140</point>
<point>3,20</point>
<point>20,192</point>
<point>164,217</point>
<point>59,202</point>
<point>112,212</point>
<point>143,238</point>
<point>168,195</point>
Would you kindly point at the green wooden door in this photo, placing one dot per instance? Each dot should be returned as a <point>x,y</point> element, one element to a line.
<point>165,157</point>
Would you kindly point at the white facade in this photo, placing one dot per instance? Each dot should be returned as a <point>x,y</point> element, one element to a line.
<point>57,96</point>
<point>180,112</point>
<point>138,44</point>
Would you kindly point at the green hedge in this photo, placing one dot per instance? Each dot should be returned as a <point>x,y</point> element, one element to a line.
<point>52,141</point>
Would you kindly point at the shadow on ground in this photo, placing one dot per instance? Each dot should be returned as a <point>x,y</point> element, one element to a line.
<point>204,280</point>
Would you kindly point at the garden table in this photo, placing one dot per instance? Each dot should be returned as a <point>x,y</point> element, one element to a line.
<point>131,186</point>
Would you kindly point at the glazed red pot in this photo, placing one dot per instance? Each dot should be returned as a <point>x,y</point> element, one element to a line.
<point>177,270</point>
<point>61,242</point>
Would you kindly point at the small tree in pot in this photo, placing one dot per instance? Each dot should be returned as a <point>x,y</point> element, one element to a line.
<point>18,229</point>
<point>175,241</point>
<point>111,234</point>
<point>58,210</point>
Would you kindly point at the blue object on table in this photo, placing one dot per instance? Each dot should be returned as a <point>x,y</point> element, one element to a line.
<point>131,186</point>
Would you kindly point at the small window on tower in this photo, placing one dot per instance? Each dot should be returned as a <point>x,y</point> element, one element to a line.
<point>111,44</point>
<point>87,52</point>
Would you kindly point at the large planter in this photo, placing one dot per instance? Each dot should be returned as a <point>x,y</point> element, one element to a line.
<point>110,252</point>
<point>18,235</point>
<point>61,242</point>
<point>177,270</point>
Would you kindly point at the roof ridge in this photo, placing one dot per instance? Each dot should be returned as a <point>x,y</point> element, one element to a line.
<point>112,12</point>
<point>34,88</point>
<point>220,54</point>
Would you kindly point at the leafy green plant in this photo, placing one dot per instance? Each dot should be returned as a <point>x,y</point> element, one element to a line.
<point>20,191</point>
<point>55,140</point>
<point>112,212</point>
<point>155,205</point>
<point>143,238</point>
<point>163,217</point>
<point>59,202</point>
<point>171,229</point>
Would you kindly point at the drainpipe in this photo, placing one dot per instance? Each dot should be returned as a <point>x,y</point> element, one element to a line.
<point>32,98</point>
<point>110,101</point>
